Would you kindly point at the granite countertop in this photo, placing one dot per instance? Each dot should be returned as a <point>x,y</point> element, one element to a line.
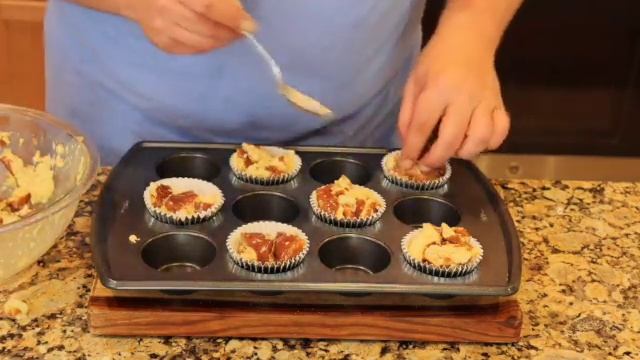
<point>580,291</point>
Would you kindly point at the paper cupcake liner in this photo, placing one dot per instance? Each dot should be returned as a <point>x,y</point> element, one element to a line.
<point>413,185</point>
<point>198,186</point>
<point>412,271</point>
<point>347,223</point>
<point>268,181</point>
<point>441,271</point>
<point>234,239</point>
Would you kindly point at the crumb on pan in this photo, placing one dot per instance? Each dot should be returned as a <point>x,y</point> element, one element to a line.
<point>133,238</point>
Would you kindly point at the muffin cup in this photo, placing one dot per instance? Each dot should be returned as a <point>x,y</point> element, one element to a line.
<point>347,223</point>
<point>441,271</point>
<point>200,187</point>
<point>409,184</point>
<point>272,180</point>
<point>233,241</point>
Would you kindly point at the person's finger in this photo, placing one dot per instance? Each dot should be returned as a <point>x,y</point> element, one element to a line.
<point>225,35</point>
<point>219,34</point>
<point>194,21</point>
<point>227,12</point>
<point>480,131</point>
<point>190,41</point>
<point>453,127</point>
<point>169,44</point>
<point>427,111</point>
<point>406,108</point>
<point>501,125</point>
<point>177,48</point>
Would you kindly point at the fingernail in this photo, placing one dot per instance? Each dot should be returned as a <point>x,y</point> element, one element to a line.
<point>249,26</point>
<point>406,164</point>
<point>423,168</point>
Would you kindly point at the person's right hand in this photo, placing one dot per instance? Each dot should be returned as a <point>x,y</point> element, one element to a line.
<point>191,26</point>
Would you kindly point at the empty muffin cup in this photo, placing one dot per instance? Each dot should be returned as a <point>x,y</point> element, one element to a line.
<point>327,171</point>
<point>178,252</point>
<point>189,201</point>
<point>388,167</point>
<point>441,271</point>
<point>236,164</point>
<point>354,253</point>
<point>419,209</point>
<point>270,228</point>
<point>189,165</point>
<point>265,206</point>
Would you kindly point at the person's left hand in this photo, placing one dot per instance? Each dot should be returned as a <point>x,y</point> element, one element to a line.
<point>454,83</point>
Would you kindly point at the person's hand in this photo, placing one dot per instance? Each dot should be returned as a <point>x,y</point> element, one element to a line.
<point>190,26</point>
<point>454,89</point>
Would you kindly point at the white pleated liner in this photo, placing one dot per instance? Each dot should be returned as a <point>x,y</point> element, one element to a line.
<point>272,180</point>
<point>180,184</point>
<point>442,271</point>
<point>265,227</point>
<point>347,222</point>
<point>409,184</point>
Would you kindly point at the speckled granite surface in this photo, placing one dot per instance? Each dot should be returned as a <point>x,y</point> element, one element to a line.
<point>580,291</point>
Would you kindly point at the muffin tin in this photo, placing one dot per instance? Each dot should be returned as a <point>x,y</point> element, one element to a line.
<point>365,260</point>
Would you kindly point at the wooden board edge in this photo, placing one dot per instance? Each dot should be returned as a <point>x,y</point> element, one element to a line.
<point>141,317</point>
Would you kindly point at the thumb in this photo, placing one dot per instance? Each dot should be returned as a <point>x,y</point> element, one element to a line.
<point>230,13</point>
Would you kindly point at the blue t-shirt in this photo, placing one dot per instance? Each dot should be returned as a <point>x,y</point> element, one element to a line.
<point>105,76</point>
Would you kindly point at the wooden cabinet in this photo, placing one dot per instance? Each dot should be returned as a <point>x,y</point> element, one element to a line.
<point>22,52</point>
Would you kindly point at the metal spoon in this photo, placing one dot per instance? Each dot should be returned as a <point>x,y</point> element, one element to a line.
<point>295,97</point>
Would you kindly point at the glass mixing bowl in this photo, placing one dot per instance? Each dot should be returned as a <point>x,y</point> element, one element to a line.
<point>22,242</point>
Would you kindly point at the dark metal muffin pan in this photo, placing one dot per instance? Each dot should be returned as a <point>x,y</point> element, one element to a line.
<point>364,260</point>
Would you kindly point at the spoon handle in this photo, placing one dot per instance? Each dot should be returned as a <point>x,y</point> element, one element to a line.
<point>294,96</point>
<point>275,69</point>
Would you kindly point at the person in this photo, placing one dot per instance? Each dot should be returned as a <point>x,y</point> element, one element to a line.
<point>124,71</point>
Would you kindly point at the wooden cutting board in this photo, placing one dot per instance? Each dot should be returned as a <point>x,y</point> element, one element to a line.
<point>149,314</point>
